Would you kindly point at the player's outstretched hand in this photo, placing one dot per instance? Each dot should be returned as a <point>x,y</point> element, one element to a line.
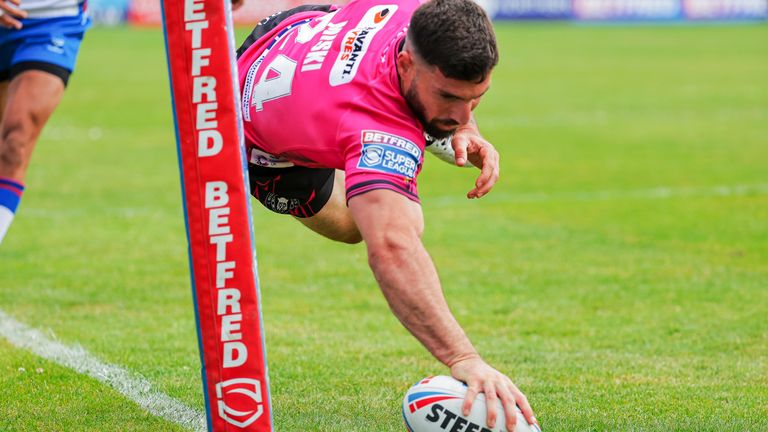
<point>468,144</point>
<point>10,14</point>
<point>482,378</point>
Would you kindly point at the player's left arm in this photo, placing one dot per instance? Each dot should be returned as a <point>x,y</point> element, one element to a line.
<point>469,145</point>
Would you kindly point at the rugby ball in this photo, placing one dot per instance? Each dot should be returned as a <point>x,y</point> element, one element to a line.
<point>443,149</point>
<point>434,405</point>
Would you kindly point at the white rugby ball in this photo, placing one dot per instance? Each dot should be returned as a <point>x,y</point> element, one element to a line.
<point>434,405</point>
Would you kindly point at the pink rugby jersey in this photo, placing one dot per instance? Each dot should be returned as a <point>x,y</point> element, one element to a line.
<point>322,91</point>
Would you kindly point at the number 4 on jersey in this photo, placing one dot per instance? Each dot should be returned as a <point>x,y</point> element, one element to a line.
<point>275,81</point>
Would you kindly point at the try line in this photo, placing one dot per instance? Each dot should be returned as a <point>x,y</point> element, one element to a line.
<point>78,359</point>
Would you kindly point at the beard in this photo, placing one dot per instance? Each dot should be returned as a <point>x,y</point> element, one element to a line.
<point>430,126</point>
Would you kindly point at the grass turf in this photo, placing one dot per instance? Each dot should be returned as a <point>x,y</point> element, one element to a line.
<point>612,311</point>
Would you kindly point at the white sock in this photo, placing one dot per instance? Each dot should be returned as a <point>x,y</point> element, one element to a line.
<point>6,217</point>
<point>10,195</point>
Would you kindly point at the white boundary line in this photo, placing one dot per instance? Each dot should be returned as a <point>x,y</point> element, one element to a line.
<point>78,359</point>
<point>662,192</point>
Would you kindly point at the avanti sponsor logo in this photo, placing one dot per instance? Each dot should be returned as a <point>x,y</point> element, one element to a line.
<point>356,42</point>
<point>379,17</point>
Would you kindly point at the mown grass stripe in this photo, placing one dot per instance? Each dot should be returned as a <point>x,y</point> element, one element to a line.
<point>661,192</point>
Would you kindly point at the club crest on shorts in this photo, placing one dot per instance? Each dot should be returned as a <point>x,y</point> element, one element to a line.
<point>389,154</point>
<point>245,395</point>
<point>280,204</point>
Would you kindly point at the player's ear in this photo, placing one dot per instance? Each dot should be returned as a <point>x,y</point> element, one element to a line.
<point>404,63</point>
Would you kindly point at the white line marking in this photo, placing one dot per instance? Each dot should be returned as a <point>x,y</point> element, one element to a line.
<point>131,386</point>
<point>606,195</point>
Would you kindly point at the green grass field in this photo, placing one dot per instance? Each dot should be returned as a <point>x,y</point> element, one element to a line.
<point>618,273</point>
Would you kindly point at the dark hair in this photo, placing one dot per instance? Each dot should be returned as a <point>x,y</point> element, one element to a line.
<point>457,37</point>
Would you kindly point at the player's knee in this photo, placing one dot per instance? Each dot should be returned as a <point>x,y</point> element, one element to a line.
<point>15,140</point>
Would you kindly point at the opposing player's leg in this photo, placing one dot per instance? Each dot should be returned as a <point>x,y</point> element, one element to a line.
<point>3,91</point>
<point>29,100</point>
<point>334,220</point>
<point>36,62</point>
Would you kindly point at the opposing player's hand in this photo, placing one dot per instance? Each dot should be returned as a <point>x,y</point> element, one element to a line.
<point>468,144</point>
<point>10,13</point>
<point>482,378</point>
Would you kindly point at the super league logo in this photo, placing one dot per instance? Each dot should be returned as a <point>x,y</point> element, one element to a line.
<point>250,389</point>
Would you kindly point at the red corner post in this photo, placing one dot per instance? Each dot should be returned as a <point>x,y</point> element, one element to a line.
<point>201,64</point>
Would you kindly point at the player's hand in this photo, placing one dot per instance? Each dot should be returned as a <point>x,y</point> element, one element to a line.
<point>236,4</point>
<point>468,144</point>
<point>10,13</point>
<point>482,378</point>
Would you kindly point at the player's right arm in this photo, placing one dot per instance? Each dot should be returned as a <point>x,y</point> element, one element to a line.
<point>391,226</point>
<point>10,13</point>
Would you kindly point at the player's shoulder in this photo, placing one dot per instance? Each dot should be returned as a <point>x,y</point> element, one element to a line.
<point>384,8</point>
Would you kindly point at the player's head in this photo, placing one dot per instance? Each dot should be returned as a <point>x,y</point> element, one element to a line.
<point>445,66</point>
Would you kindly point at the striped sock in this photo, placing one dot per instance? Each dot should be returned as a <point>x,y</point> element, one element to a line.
<point>10,195</point>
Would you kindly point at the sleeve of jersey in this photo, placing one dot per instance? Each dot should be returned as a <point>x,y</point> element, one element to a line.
<point>383,158</point>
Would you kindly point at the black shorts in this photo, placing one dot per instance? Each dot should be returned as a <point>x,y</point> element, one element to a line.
<point>298,191</point>
<point>18,68</point>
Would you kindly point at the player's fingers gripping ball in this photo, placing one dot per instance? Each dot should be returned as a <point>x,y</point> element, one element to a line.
<point>434,405</point>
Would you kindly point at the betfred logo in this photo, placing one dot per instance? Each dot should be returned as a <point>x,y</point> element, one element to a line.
<point>243,404</point>
<point>356,42</point>
<point>388,153</point>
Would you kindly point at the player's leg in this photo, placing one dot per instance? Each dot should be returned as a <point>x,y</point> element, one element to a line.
<point>30,99</point>
<point>38,60</point>
<point>334,220</point>
<point>315,197</point>
<point>10,192</point>
<point>3,91</point>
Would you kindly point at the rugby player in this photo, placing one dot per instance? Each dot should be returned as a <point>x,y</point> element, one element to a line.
<point>39,41</point>
<point>339,105</point>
